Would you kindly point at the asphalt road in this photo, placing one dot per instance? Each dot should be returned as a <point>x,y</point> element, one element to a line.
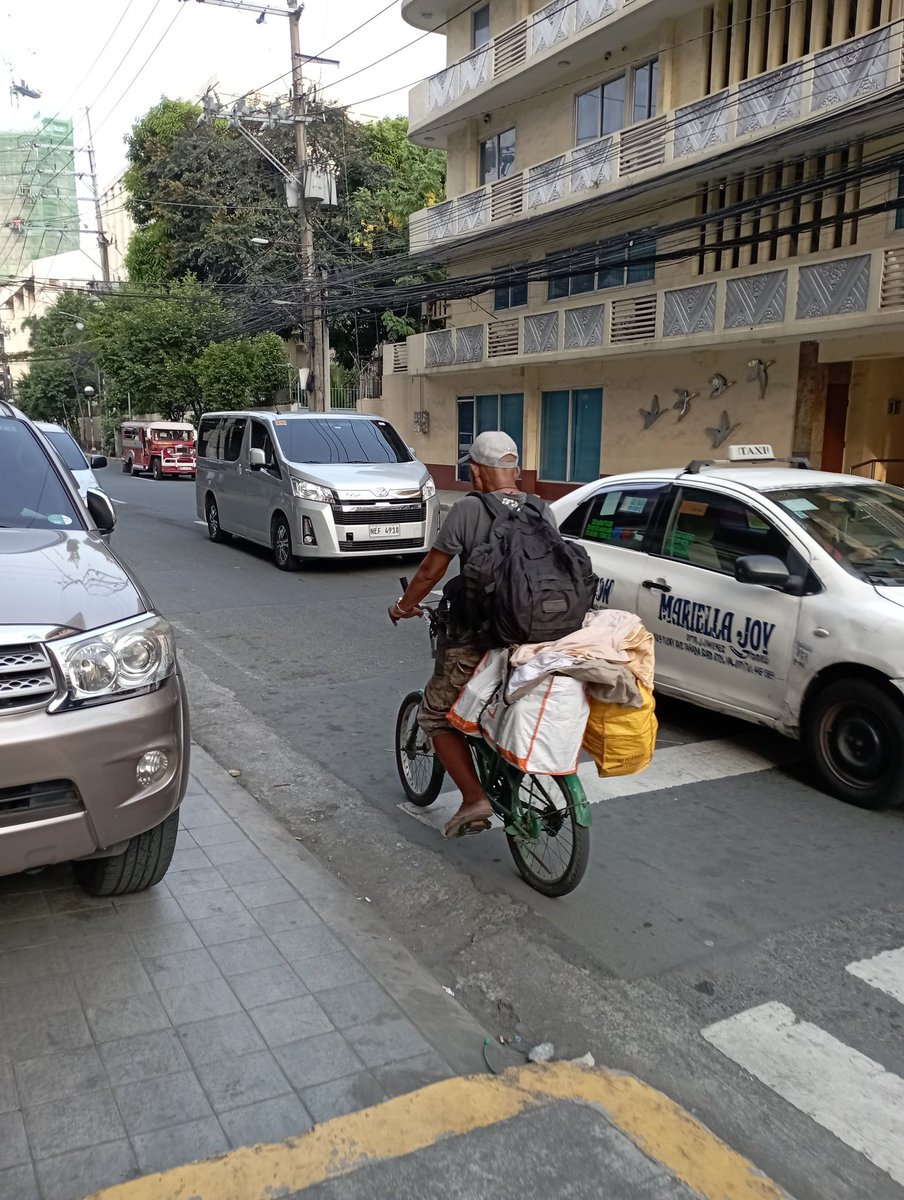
<point>708,947</point>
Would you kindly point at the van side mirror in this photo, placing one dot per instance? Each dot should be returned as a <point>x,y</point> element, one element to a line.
<point>98,461</point>
<point>100,506</point>
<point>764,569</point>
<point>256,458</point>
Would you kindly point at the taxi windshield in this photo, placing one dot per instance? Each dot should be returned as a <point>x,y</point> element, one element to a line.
<point>860,525</point>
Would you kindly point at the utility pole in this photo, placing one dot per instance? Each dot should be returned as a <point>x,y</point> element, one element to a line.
<point>298,191</point>
<point>102,243</point>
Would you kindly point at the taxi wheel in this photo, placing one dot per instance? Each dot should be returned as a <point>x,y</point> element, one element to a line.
<point>854,733</point>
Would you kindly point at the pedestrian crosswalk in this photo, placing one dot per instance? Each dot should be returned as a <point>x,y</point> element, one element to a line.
<point>672,767</point>
<point>849,1094</point>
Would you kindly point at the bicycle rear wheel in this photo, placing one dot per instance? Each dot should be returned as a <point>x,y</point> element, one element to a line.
<point>551,850</point>
<point>420,770</point>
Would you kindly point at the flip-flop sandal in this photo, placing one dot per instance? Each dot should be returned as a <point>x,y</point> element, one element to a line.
<point>460,826</point>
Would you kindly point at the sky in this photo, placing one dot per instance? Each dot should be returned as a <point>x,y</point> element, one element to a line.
<point>54,47</point>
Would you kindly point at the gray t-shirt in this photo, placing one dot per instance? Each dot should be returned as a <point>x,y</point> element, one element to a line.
<point>468,524</point>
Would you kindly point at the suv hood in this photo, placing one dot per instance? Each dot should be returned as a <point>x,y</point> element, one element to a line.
<point>64,578</point>
<point>365,477</point>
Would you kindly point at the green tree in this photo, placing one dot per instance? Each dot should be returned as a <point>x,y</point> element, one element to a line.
<point>62,361</point>
<point>200,195</point>
<point>149,347</point>
<point>242,372</point>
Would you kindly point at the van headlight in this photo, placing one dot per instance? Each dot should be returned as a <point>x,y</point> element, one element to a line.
<point>108,664</point>
<point>311,491</point>
<point>429,489</point>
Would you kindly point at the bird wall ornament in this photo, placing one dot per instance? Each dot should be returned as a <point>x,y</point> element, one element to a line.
<point>652,414</point>
<point>683,404</point>
<point>759,373</point>
<point>719,385</point>
<point>719,435</point>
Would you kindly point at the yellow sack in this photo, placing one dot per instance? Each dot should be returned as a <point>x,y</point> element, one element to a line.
<point>621,740</point>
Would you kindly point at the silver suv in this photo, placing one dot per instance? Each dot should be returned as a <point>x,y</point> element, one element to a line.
<point>93,715</point>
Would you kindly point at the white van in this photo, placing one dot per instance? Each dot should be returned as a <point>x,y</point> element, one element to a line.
<point>313,485</point>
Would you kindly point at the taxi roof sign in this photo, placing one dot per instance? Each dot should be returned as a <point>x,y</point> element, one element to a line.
<point>751,453</point>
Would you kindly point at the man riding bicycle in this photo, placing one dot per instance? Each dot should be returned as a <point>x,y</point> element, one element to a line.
<point>493,459</point>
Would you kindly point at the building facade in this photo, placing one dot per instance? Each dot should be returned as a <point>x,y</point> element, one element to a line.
<point>670,226</point>
<point>118,226</point>
<point>37,195</point>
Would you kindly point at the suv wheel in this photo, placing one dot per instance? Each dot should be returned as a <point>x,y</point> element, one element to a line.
<point>214,530</point>
<point>854,735</point>
<point>142,864</point>
<point>282,544</point>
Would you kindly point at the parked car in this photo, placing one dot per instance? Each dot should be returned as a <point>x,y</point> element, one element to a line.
<point>81,466</point>
<point>775,594</point>
<point>313,485</point>
<point>93,715</point>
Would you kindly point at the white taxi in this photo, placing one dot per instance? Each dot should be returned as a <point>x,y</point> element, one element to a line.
<point>775,593</point>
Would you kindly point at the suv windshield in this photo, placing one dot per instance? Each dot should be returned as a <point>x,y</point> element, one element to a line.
<point>32,495</point>
<point>860,525</point>
<point>67,448</point>
<point>340,440</point>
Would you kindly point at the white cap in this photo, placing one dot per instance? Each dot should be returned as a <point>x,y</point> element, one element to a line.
<point>492,449</point>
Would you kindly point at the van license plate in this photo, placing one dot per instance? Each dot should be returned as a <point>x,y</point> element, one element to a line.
<point>385,531</point>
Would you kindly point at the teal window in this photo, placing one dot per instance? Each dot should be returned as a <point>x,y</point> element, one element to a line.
<point>477,414</point>
<point>571,428</point>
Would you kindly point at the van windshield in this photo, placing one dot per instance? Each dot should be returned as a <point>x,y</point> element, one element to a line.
<point>32,495</point>
<point>860,525</point>
<point>340,440</point>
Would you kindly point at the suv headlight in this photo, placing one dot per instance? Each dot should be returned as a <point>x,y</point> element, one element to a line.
<point>429,489</point>
<point>311,491</point>
<point>107,664</point>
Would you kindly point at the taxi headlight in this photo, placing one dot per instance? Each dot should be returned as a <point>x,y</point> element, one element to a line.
<point>108,664</point>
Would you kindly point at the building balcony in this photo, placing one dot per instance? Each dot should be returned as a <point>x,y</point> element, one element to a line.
<point>838,292</point>
<point>844,79</point>
<point>527,57</point>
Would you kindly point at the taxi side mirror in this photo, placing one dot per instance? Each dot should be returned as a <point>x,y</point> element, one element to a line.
<point>764,569</point>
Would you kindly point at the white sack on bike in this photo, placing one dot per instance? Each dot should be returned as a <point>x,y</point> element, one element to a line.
<point>484,687</point>
<point>541,733</point>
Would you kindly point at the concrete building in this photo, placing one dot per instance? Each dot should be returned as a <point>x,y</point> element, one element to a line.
<point>118,226</point>
<point>37,194</point>
<point>684,226</point>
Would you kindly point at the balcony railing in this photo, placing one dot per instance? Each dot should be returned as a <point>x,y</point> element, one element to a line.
<point>843,76</point>
<point>797,300</point>
<point>543,30</point>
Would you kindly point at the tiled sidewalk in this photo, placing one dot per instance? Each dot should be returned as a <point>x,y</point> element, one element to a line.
<point>238,1002</point>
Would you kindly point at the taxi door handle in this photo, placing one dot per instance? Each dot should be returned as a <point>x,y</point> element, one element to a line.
<point>656,585</point>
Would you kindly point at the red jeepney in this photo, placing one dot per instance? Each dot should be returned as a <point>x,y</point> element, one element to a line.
<point>162,447</point>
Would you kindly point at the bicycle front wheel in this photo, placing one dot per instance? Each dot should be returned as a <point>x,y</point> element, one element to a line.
<point>551,850</point>
<point>420,770</point>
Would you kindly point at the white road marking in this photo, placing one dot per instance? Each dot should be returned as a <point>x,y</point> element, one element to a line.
<point>671,768</point>
<point>115,501</point>
<point>677,766</point>
<point>885,972</point>
<point>853,1097</point>
<point>204,523</point>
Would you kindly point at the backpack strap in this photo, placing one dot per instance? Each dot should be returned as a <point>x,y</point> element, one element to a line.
<point>535,504</point>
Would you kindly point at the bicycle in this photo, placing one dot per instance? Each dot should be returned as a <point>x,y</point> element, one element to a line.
<point>546,818</point>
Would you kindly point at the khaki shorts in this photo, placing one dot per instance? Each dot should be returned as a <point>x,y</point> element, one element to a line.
<point>454,667</point>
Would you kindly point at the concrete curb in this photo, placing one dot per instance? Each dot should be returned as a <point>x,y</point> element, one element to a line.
<point>685,1150</point>
<point>454,1033</point>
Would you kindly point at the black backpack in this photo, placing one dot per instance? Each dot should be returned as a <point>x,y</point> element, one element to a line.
<point>526,583</point>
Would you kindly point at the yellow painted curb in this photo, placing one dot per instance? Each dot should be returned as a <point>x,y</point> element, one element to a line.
<point>658,1126</point>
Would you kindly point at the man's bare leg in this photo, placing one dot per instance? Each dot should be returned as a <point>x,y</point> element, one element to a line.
<point>452,750</point>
